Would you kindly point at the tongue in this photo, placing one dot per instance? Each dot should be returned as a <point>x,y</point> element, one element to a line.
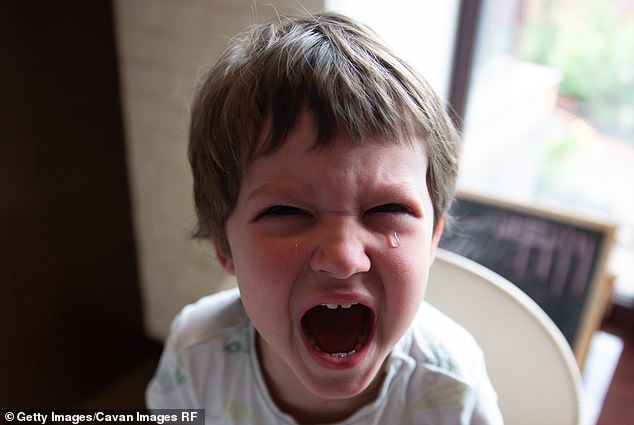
<point>335,331</point>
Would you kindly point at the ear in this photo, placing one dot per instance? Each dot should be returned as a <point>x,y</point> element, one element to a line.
<point>436,236</point>
<point>225,259</point>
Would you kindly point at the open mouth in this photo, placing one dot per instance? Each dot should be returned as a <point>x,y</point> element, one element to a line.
<point>339,330</point>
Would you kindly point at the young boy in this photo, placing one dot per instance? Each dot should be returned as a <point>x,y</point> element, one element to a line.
<point>323,170</point>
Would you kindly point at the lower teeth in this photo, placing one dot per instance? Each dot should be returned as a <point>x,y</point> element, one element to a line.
<point>361,339</point>
<point>342,355</point>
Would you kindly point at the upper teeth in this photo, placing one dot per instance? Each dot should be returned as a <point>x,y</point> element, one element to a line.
<point>335,306</point>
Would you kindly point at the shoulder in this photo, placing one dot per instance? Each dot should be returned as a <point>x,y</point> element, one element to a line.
<point>436,344</point>
<point>197,355</point>
<point>207,319</point>
<point>435,341</point>
<point>447,370</point>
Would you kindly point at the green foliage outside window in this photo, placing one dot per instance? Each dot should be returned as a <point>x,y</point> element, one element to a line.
<point>592,43</point>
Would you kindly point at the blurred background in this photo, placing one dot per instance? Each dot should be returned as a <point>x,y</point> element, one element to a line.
<point>95,191</point>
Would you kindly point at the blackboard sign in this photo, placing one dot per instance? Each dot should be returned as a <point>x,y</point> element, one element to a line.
<point>555,259</point>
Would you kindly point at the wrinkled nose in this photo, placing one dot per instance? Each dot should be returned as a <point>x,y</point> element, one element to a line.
<point>340,252</point>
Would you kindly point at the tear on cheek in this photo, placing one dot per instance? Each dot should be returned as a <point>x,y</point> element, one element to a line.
<point>393,240</point>
<point>340,331</point>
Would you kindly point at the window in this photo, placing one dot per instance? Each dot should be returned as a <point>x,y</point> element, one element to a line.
<point>549,116</point>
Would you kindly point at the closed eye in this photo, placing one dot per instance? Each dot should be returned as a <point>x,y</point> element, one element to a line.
<point>392,208</point>
<point>281,210</point>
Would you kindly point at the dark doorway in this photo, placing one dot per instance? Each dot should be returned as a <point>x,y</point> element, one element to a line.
<point>70,305</point>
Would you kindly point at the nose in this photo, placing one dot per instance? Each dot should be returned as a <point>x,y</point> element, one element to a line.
<point>340,252</point>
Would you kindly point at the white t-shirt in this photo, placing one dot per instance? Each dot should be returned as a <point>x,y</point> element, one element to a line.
<point>434,376</point>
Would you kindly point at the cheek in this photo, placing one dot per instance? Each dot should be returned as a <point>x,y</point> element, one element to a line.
<point>404,297</point>
<point>264,296</point>
<point>406,277</point>
<point>265,274</point>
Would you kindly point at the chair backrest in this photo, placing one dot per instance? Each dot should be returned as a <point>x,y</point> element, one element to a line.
<point>530,364</point>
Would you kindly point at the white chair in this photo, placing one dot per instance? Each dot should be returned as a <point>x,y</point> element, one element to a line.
<point>529,362</point>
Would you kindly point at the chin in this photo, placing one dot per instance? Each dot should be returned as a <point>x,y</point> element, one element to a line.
<point>345,384</point>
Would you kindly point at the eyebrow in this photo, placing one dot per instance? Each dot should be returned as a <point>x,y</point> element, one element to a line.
<point>273,188</point>
<point>404,189</point>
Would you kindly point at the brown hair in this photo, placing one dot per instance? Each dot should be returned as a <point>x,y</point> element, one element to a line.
<point>337,69</point>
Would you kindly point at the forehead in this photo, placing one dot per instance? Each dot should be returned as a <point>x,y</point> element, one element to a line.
<point>301,158</point>
<point>310,134</point>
